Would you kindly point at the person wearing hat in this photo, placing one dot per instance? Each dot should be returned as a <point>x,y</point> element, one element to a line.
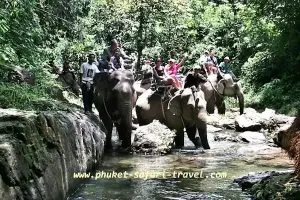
<point>195,77</point>
<point>224,68</point>
<point>172,68</point>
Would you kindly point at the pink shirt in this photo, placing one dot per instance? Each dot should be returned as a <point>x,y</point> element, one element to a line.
<point>173,70</point>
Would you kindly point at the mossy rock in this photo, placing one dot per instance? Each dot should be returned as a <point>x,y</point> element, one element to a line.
<point>277,187</point>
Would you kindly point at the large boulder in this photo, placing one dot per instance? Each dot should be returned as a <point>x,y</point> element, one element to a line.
<point>154,138</point>
<point>41,152</point>
<point>252,137</point>
<point>20,75</point>
<point>252,120</point>
<point>246,182</point>
<point>249,121</point>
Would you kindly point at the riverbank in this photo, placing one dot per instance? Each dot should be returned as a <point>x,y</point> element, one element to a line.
<point>230,157</point>
<point>40,152</point>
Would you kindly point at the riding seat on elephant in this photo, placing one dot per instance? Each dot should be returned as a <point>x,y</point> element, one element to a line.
<point>185,109</point>
<point>114,99</point>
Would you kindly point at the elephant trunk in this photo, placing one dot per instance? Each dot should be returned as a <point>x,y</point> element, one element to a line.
<point>125,126</point>
<point>241,102</point>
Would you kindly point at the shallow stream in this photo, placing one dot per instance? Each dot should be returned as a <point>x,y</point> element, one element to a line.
<point>218,167</point>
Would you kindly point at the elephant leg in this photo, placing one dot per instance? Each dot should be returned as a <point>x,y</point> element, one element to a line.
<point>210,105</point>
<point>220,104</point>
<point>191,132</point>
<point>202,130</point>
<point>124,134</point>
<point>179,139</point>
<point>109,126</point>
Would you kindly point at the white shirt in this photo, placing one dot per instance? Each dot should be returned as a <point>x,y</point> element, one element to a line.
<point>88,72</point>
<point>146,67</point>
<point>203,58</point>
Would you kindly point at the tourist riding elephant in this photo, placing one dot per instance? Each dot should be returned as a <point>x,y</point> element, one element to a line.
<point>114,100</point>
<point>185,110</point>
<point>215,90</point>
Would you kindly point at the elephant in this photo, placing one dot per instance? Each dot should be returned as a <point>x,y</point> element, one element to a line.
<point>114,98</point>
<point>186,109</point>
<point>215,90</point>
<point>69,81</point>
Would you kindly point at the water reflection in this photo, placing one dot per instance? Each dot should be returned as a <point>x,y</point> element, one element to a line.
<point>234,159</point>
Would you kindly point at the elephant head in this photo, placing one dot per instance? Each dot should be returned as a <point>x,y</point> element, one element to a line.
<point>115,98</point>
<point>215,90</point>
<point>190,105</point>
<point>227,87</point>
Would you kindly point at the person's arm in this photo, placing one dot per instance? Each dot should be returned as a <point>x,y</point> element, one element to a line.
<point>124,56</point>
<point>216,62</point>
<point>81,73</point>
<point>122,63</point>
<point>182,61</point>
<point>96,69</point>
<point>111,63</point>
<point>166,71</point>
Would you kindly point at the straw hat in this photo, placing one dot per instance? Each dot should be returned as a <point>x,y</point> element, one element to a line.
<point>172,60</point>
<point>227,58</point>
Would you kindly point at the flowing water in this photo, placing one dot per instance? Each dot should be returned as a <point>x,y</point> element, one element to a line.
<point>217,168</point>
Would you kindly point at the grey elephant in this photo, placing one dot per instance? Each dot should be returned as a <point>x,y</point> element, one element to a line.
<point>114,99</point>
<point>69,81</point>
<point>215,90</point>
<point>185,110</point>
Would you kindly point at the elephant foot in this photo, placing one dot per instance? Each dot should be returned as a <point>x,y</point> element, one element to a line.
<point>197,142</point>
<point>179,142</point>
<point>206,146</point>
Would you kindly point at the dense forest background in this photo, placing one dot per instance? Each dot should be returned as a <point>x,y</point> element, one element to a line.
<point>262,38</point>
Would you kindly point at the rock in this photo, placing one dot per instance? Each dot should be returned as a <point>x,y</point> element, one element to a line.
<point>253,137</point>
<point>40,152</point>
<point>20,75</point>
<point>219,121</point>
<point>247,123</point>
<point>226,137</point>
<point>154,138</point>
<point>213,129</point>
<point>246,182</point>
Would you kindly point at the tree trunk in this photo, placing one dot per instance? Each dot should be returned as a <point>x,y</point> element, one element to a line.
<point>140,36</point>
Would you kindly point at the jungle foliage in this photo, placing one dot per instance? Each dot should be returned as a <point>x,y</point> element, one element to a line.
<point>260,36</point>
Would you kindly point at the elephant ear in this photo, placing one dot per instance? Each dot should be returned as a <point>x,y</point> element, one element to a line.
<point>228,80</point>
<point>188,98</point>
<point>174,105</point>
